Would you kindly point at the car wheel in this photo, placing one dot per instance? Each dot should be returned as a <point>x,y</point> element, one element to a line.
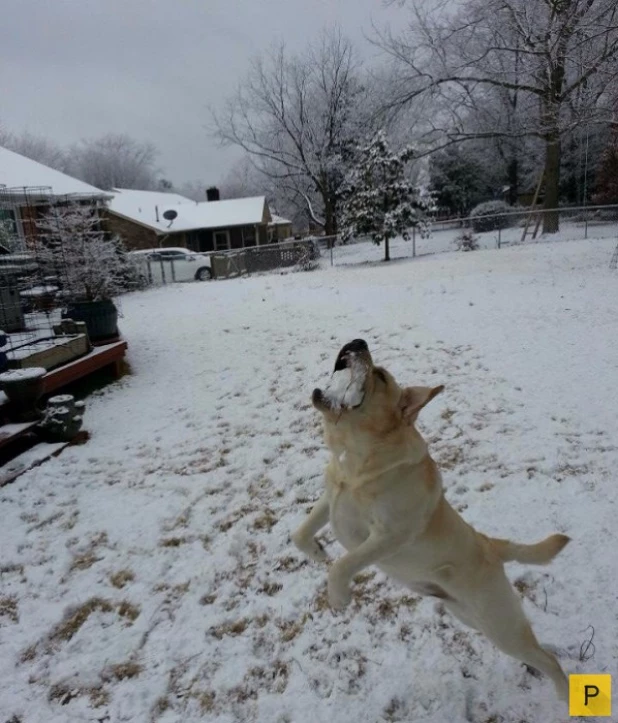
<point>203,274</point>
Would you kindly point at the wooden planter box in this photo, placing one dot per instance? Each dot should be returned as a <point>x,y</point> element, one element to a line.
<point>49,353</point>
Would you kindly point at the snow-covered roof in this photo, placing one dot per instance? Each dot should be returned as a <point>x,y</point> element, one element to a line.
<point>279,220</point>
<point>147,208</point>
<point>19,174</point>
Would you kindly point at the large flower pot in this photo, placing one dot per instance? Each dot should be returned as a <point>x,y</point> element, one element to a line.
<point>23,388</point>
<point>100,317</point>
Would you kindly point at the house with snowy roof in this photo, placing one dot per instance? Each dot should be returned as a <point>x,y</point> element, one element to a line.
<point>28,188</point>
<point>148,219</point>
<point>279,229</point>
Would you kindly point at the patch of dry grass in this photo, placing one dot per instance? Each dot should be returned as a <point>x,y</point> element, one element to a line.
<point>64,693</point>
<point>173,542</point>
<point>266,521</point>
<point>235,517</point>
<point>9,608</point>
<point>291,628</point>
<point>206,699</point>
<point>229,629</point>
<point>47,521</point>
<point>121,578</point>
<point>128,610</point>
<point>84,561</point>
<point>11,567</point>
<point>77,616</point>
<point>271,588</point>
<point>122,671</point>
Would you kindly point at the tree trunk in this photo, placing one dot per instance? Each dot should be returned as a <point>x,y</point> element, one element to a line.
<point>513,181</point>
<point>551,222</point>
<point>330,219</point>
<point>387,251</point>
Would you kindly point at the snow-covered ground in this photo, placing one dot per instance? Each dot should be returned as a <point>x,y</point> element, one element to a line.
<point>149,575</point>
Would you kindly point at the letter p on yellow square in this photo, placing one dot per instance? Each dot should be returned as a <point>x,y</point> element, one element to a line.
<point>590,695</point>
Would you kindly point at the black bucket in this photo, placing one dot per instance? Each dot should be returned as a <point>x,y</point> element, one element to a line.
<point>100,317</point>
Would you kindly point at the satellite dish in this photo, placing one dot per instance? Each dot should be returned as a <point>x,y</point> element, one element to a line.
<point>170,215</point>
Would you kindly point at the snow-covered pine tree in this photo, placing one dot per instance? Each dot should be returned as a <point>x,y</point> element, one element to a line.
<point>89,265</point>
<point>378,199</point>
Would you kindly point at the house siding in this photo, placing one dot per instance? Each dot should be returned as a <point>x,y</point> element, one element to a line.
<point>134,236</point>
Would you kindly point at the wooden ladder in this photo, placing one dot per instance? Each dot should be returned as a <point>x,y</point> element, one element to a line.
<point>533,213</point>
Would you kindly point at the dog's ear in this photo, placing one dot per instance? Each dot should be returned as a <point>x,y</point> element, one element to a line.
<point>413,399</point>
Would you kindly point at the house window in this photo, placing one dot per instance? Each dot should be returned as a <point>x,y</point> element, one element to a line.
<point>248,236</point>
<point>222,240</point>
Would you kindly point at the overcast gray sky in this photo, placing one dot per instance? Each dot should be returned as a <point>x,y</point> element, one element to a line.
<point>71,69</point>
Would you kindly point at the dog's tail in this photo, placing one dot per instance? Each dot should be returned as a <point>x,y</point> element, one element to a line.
<point>538,554</point>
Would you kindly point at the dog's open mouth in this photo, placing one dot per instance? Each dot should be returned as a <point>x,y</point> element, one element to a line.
<point>346,388</point>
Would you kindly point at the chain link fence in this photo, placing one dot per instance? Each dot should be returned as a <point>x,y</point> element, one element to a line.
<point>517,226</point>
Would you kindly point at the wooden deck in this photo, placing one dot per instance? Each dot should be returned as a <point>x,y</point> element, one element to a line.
<point>15,438</point>
<point>106,355</point>
<point>10,432</point>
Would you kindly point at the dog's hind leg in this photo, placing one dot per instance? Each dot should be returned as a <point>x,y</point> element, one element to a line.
<point>462,614</point>
<point>304,537</point>
<point>502,620</point>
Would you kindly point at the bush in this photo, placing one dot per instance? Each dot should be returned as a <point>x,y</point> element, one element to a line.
<point>467,241</point>
<point>483,217</point>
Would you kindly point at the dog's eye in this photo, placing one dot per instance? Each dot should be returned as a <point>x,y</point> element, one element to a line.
<point>380,374</point>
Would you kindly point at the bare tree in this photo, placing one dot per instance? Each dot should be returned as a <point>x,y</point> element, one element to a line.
<point>115,161</point>
<point>195,190</point>
<point>295,115</point>
<point>244,180</point>
<point>555,57</point>
<point>36,147</point>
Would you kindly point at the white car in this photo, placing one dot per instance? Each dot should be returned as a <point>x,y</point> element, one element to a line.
<point>166,265</point>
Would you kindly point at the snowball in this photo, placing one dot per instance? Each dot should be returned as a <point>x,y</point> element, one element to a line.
<point>346,387</point>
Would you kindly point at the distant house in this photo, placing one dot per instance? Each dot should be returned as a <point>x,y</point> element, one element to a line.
<point>28,188</point>
<point>279,229</point>
<point>137,216</point>
<point>146,219</point>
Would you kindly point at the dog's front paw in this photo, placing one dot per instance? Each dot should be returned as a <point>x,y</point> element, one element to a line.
<point>339,593</point>
<point>311,548</point>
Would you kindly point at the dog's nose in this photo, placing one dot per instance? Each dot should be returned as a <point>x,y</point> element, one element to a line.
<point>357,345</point>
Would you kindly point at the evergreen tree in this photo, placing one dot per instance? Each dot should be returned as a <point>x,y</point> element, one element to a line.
<point>607,174</point>
<point>378,199</point>
<point>459,181</point>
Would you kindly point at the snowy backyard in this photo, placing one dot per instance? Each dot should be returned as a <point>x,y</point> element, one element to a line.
<point>148,576</point>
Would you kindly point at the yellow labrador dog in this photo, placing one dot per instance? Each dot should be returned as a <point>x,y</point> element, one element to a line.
<point>386,506</point>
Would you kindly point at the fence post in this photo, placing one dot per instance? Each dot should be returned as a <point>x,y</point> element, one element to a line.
<point>586,222</point>
<point>331,243</point>
<point>499,236</point>
<point>413,242</point>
